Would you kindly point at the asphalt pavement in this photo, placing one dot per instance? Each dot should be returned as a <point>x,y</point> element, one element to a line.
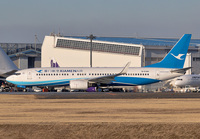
<point>104,95</point>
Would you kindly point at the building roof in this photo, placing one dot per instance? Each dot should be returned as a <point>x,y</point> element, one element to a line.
<point>143,41</point>
<point>30,53</point>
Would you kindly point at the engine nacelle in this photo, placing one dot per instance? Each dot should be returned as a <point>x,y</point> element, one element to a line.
<point>78,84</point>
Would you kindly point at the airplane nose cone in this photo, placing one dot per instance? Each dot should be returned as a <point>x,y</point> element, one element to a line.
<point>178,83</point>
<point>9,78</point>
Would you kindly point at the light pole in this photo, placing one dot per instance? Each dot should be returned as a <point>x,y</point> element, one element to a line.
<point>91,37</point>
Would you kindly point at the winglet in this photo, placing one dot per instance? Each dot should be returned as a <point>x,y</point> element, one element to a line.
<point>125,69</point>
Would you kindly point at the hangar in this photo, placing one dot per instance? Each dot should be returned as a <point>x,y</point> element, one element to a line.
<point>75,52</point>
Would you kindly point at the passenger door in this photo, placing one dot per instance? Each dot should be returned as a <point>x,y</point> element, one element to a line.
<point>29,75</point>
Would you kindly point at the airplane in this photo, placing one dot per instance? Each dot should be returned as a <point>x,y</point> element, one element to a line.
<point>83,78</point>
<point>192,80</point>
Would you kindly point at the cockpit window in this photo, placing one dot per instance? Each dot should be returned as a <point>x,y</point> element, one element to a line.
<point>17,73</point>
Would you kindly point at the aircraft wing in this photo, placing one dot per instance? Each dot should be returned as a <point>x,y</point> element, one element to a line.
<point>109,78</point>
<point>5,74</point>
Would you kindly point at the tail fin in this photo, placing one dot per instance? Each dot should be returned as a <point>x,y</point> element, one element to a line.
<point>176,56</point>
<point>54,63</point>
<point>7,67</point>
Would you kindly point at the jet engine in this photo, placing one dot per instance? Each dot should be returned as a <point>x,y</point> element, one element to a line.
<point>78,84</point>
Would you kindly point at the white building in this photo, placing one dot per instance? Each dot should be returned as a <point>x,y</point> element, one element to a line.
<point>73,52</point>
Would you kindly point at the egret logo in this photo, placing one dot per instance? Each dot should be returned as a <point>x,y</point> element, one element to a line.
<point>39,71</point>
<point>178,56</point>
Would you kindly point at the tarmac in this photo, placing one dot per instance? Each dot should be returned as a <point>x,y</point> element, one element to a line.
<point>104,95</point>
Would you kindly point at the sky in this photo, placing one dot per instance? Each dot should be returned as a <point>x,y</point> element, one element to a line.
<point>21,20</point>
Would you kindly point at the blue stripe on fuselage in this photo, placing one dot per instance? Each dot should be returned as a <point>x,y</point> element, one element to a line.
<point>134,80</point>
<point>42,83</point>
<point>119,81</point>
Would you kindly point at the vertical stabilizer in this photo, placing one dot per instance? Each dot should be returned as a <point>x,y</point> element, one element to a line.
<point>6,64</point>
<point>176,57</point>
<point>54,63</point>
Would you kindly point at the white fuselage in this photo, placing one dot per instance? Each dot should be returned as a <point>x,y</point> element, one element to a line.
<point>188,80</point>
<point>62,76</point>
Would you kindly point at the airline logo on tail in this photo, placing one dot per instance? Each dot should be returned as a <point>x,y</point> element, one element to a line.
<point>179,56</point>
<point>54,63</point>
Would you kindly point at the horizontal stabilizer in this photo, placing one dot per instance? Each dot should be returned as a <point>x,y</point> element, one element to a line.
<point>181,70</point>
